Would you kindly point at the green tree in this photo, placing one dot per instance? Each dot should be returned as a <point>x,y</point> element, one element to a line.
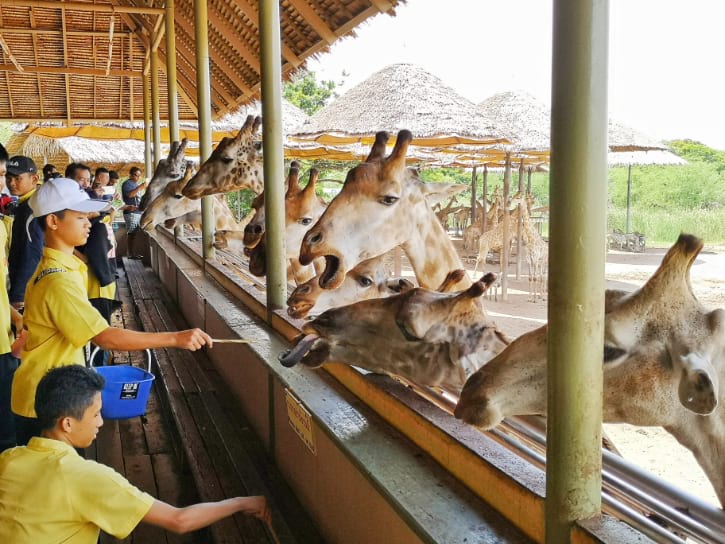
<point>305,92</point>
<point>693,151</point>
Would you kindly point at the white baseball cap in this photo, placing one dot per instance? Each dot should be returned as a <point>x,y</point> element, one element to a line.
<point>60,194</point>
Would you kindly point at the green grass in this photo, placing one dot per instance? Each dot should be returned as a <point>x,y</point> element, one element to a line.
<point>662,227</point>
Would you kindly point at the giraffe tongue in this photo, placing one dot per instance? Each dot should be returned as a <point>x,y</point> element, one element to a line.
<point>293,356</point>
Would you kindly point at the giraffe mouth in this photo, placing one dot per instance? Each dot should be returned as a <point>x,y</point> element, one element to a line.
<point>257,260</point>
<point>308,351</point>
<point>333,274</point>
<point>298,309</point>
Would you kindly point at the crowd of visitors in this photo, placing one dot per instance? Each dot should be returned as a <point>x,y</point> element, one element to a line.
<point>58,293</point>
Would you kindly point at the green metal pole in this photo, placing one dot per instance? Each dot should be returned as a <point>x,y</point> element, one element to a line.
<point>155,106</point>
<point>578,193</point>
<point>271,53</point>
<point>147,124</point>
<point>628,224</point>
<point>203,99</point>
<point>172,99</point>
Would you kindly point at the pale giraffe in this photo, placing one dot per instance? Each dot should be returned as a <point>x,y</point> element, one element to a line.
<point>492,239</point>
<point>428,337</point>
<point>369,279</point>
<point>302,209</point>
<point>537,253</point>
<point>663,364</point>
<point>382,205</point>
<point>472,234</point>
<point>235,163</point>
<point>172,168</point>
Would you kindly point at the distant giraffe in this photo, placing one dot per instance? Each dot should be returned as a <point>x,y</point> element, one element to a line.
<point>537,253</point>
<point>492,239</point>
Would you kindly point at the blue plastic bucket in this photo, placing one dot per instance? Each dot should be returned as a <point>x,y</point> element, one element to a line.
<point>126,391</point>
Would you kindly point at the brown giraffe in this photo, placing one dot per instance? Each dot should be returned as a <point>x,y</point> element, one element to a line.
<point>492,239</point>
<point>302,209</point>
<point>172,168</point>
<point>369,279</point>
<point>383,204</point>
<point>537,253</point>
<point>663,364</point>
<point>428,337</point>
<point>472,234</point>
<point>235,163</point>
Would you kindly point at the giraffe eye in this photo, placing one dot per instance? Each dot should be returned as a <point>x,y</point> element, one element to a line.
<point>227,160</point>
<point>389,200</point>
<point>612,353</point>
<point>364,281</point>
<point>305,221</point>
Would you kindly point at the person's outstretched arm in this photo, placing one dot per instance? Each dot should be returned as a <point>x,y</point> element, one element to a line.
<point>196,516</point>
<point>123,339</point>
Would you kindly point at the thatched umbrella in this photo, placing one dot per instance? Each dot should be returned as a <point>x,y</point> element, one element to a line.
<point>292,117</point>
<point>401,96</point>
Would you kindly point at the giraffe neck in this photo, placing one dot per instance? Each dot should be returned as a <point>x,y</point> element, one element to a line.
<point>432,254</point>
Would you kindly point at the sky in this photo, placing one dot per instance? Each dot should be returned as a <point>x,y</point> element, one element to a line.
<point>666,74</point>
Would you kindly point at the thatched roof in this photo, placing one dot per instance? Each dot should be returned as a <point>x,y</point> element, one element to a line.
<point>58,66</point>
<point>623,138</point>
<point>641,158</point>
<point>525,118</point>
<point>401,96</point>
<point>292,117</point>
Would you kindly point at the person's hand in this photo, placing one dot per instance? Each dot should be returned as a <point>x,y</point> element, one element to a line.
<point>257,506</point>
<point>18,344</point>
<point>192,339</point>
<point>17,320</point>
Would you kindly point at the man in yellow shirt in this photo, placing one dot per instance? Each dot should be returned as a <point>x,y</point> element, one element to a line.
<point>77,497</point>
<point>58,316</point>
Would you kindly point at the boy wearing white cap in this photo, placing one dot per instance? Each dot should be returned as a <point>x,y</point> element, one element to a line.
<point>58,316</point>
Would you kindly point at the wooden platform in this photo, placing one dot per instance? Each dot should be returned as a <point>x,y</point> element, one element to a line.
<point>194,443</point>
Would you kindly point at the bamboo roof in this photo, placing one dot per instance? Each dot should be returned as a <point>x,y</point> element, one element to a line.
<point>401,96</point>
<point>82,60</point>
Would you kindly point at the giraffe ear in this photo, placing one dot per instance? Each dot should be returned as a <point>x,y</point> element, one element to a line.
<point>256,124</point>
<point>395,163</point>
<point>247,126</point>
<point>452,279</point>
<point>378,150</point>
<point>293,179</point>
<point>699,387</point>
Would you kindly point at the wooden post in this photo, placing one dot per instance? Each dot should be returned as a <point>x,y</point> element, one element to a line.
<point>506,229</point>
<point>474,181</point>
<point>628,223</point>
<point>520,223</point>
<point>147,125</point>
<point>171,86</point>
<point>578,191</point>
<point>155,106</point>
<point>485,196</point>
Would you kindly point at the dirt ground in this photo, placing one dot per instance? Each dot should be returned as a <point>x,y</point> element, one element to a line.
<point>649,447</point>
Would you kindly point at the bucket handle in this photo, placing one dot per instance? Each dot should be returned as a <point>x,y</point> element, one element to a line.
<point>97,348</point>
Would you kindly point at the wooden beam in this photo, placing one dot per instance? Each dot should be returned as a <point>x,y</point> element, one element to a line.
<point>229,33</point>
<point>110,43</point>
<point>314,20</point>
<point>251,12</point>
<point>50,32</point>
<point>10,55</point>
<point>93,49</point>
<point>82,6</point>
<point>64,70</point>
<point>65,64</point>
<point>75,120</point>
<point>37,76</point>
<point>382,5</point>
<point>219,61</point>
<point>131,82</point>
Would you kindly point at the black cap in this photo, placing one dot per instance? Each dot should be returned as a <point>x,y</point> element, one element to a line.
<point>20,165</point>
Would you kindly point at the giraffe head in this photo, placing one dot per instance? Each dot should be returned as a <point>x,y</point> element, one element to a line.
<point>429,337</point>
<point>169,205</point>
<point>369,279</point>
<point>172,168</point>
<point>383,204</point>
<point>235,163</point>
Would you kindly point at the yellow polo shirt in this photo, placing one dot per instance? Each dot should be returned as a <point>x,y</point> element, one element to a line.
<point>5,332</point>
<point>50,494</point>
<point>60,321</point>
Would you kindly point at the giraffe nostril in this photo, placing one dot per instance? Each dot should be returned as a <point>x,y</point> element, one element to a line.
<point>315,238</point>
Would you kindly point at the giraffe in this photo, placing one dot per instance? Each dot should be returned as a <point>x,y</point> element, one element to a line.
<point>472,233</point>
<point>537,253</point>
<point>431,338</point>
<point>492,239</point>
<point>663,364</point>
<point>235,163</point>
<point>302,208</point>
<point>383,204</point>
<point>369,279</point>
<point>172,168</point>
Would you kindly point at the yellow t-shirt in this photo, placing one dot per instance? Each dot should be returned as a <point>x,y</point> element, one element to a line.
<point>5,332</point>
<point>49,494</point>
<point>60,321</point>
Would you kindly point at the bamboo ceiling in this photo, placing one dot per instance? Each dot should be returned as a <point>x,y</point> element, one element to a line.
<point>82,60</point>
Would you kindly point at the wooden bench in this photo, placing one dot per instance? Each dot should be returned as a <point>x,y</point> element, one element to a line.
<point>220,450</point>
